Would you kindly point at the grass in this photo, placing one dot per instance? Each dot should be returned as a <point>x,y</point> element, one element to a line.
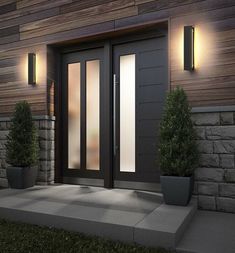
<point>25,238</point>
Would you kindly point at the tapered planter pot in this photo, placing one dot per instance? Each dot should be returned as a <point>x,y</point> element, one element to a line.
<point>177,190</point>
<point>21,177</point>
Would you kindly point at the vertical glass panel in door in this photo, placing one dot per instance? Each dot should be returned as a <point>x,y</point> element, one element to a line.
<point>93,114</point>
<point>74,86</point>
<point>127,113</point>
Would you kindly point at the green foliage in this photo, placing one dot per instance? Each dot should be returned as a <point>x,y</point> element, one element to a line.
<point>22,141</point>
<point>178,147</point>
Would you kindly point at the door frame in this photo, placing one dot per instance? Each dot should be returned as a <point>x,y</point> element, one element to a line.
<point>107,43</point>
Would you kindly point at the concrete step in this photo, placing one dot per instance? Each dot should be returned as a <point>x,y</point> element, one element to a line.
<point>165,226</point>
<point>158,225</point>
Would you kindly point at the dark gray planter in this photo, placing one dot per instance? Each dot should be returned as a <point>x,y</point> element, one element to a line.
<point>177,190</point>
<point>21,177</point>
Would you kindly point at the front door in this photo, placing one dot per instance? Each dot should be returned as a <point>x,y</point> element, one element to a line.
<point>81,96</point>
<point>130,79</point>
<point>140,84</point>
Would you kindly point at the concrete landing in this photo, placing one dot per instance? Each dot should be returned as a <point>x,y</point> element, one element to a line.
<point>209,232</point>
<point>125,215</point>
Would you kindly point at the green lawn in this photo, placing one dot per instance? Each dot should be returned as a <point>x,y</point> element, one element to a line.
<point>24,238</point>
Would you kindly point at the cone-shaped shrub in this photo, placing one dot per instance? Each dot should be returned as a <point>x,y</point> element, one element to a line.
<point>22,140</point>
<point>178,148</point>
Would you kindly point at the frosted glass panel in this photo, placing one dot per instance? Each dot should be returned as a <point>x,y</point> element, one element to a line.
<point>127,113</point>
<point>74,116</point>
<point>92,111</point>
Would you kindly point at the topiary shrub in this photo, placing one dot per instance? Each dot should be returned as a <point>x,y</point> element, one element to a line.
<point>22,149</point>
<point>178,148</point>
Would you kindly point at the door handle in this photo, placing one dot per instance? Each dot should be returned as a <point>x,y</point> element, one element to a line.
<point>114,114</point>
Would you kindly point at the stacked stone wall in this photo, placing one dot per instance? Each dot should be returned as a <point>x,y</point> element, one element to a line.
<point>46,133</point>
<point>215,177</point>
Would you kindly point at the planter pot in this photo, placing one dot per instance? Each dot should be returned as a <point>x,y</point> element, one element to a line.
<point>177,190</point>
<point>22,177</point>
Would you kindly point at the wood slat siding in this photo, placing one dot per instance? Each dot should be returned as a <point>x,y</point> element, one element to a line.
<point>30,25</point>
<point>7,8</point>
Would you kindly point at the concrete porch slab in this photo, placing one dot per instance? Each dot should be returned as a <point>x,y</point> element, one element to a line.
<point>124,215</point>
<point>165,225</point>
<point>209,232</point>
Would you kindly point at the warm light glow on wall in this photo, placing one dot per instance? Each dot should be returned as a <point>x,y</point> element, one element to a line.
<point>204,47</point>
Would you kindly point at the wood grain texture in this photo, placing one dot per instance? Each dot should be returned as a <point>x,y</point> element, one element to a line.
<point>162,4</point>
<point>84,20</point>
<point>2,3</point>
<point>27,3</point>
<point>7,8</point>
<point>77,16</point>
<point>31,25</point>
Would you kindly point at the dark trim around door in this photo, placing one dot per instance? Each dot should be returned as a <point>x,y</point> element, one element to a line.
<point>107,43</point>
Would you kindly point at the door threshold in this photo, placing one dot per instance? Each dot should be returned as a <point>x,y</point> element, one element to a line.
<point>153,187</point>
<point>84,181</point>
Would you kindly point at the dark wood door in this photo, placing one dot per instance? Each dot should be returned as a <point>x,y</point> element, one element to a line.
<point>140,84</point>
<point>82,81</point>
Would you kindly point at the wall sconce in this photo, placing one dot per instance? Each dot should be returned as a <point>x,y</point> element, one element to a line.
<point>31,68</point>
<point>189,48</point>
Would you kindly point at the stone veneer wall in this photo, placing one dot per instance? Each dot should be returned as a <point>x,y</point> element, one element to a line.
<point>46,132</point>
<point>215,178</point>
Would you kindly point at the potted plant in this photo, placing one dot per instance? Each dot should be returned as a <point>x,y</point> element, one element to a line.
<point>178,150</point>
<point>22,149</point>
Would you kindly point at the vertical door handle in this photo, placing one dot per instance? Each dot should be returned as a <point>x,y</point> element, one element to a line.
<point>114,114</point>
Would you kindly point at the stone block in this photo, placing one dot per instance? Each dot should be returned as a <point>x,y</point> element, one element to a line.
<point>8,124</point>
<point>208,188</point>
<point>226,118</point>
<point>3,164</point>
<point>50,176</point>
<point>46,176</point>
<point>209,160</point>
<point>229,176</point>
<point>3,134</point>
<point>3,144</point>
<point>195,188</point>
<point>2,154</point>
<point>220,132</point>
<point>206,202</point>
<point>3,125</point>
<point>201,132</point>
<point>209,174</point>
<point>227,190</point>
<point>47,155</point>
<point>227,161</point>
<point>205,146</point>
<point>42,176</point>
<point>206,119</point>
<point>47,165</point>
<point>3,182</point>
<point>36,123</point>
<point>47,124</point>
<point>224,147</point>
<point>47,145</point>
<point>3,173</point>
<point>46,134</point>
<point>225,204</point>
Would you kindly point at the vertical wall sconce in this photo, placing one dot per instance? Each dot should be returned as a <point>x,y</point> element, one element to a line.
<point>188,48</point>
<point>31,68</point>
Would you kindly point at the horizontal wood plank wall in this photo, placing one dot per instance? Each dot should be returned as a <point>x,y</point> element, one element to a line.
<point>30,25</point>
